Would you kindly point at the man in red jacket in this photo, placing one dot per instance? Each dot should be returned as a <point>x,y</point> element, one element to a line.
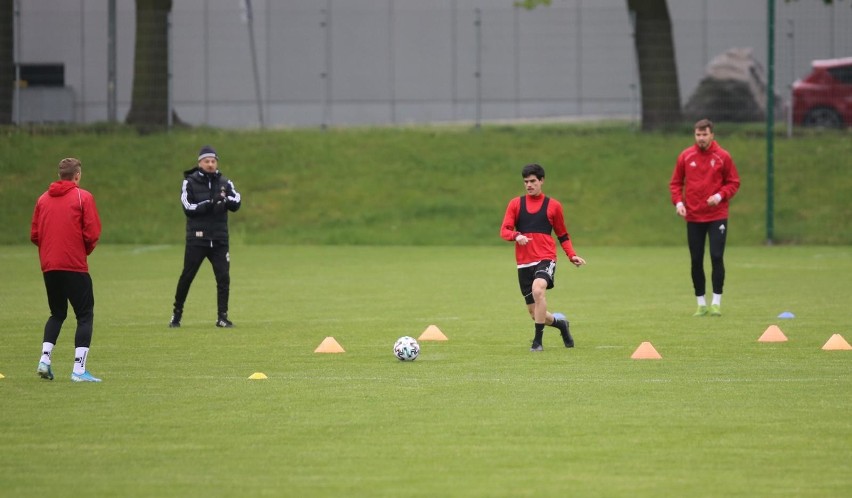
<point>66,228</point>
<point>705,179</point>
<point>529,222</point>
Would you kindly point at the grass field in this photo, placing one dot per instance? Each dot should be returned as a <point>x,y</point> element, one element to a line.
<point>477,416</point>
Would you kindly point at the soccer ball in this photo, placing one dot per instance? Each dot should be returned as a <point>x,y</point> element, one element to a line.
<point>406,349</point>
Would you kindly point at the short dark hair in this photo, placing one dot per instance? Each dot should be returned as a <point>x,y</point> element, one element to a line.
<point>703,124</point>
<point>69,167</point>
<point>533,169</point>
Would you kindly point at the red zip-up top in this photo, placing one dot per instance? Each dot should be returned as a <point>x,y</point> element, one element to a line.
<point>541,246</point>
<point>65,227</point>
<point>704,173</point>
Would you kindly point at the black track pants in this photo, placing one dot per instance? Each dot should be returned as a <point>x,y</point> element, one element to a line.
<point>696,234</point>
<point>192,259</point>
<point>74,287</point>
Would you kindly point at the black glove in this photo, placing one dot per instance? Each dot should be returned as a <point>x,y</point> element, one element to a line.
<point>204,207</point>
<point>219,207</point>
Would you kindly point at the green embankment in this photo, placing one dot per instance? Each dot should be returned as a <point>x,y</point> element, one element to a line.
<point>430,185</point>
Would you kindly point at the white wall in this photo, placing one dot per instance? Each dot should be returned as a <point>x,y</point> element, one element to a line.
<point>402,61</point>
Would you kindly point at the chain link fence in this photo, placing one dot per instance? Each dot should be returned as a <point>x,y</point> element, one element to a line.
<point>389,62</point>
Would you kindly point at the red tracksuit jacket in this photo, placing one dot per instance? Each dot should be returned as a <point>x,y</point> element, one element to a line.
<point>704,173</point>
<point>65,227</point>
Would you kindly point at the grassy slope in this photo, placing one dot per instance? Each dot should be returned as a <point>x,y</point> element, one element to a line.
<point>435,186</point>
<point>720,415</point>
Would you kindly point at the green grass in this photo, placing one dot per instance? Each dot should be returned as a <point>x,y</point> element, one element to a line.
<point>430,185</point>
<point>478,416</point>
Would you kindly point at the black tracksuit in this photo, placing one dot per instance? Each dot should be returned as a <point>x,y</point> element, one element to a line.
<point>206,200</point>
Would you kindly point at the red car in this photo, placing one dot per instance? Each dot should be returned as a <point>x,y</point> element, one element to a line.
<point>824,97</point>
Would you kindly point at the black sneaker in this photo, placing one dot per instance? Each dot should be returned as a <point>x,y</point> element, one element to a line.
<point>562,324</point>
<point>175,321</point>
<point>223,322</point>
<point>536,346</point>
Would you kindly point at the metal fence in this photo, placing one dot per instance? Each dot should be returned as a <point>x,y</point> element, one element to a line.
<point>362,62</point>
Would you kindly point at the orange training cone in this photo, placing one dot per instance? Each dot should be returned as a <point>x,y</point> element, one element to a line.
<point>329,345</point>
<point>646,351</point>
<point>836,343</point>
<point>772,334</point>
<point>432,333</point>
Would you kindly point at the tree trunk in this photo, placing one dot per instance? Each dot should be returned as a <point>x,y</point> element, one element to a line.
<point>657,68</point>
<point>7,59</point>
<point>150,97</point>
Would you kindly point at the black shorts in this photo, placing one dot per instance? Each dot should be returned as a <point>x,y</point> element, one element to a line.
<point>545,269</point>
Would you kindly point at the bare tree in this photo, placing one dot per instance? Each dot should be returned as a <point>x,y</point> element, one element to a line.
<point>657,68</point>
<point>149,106</point>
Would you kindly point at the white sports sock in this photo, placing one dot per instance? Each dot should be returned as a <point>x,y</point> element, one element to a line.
<point>80,355</point>
<point>702,301</point>
<point>46,349</point>
<point>717,299</point>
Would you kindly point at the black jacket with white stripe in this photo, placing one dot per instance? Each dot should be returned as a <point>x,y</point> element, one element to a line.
<point>206,200</point>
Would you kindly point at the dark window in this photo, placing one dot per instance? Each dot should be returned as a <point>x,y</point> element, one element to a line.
<point>842,74</point>
<point>43,74</point>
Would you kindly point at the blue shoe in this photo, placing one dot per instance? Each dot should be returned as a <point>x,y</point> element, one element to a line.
<point>84,377</point>
<point>44,371</point>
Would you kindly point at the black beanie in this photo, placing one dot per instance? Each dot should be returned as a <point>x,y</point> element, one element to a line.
<point>207,151</point>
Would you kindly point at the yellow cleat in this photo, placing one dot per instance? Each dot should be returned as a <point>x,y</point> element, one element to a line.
<point>701,311</point>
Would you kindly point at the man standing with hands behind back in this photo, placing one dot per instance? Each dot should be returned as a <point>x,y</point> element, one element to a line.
<point>704,180</point>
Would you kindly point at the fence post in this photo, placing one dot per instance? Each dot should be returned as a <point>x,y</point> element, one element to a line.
<point>112,113</point>
<point>478,74</point>
<point>253,49</point>
<point>391,62</point>
<point>635,97</point>
<point>770,121</point>
<point>454,58</point>
<point>206,29</point>
<point>791,34</point>
<point>169,59</point>
<point>326,74</point>
<point>17,28</point>
<point>516,58</point>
